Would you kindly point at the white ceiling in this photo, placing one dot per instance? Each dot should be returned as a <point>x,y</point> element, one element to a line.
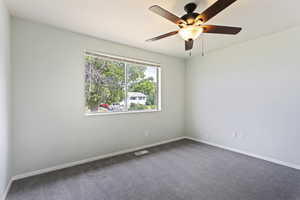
<point>130,22</point>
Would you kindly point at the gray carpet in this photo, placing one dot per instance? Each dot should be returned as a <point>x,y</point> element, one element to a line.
<point>175,171</point>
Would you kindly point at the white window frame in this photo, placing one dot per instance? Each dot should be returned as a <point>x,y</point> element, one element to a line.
<point>131,60</point>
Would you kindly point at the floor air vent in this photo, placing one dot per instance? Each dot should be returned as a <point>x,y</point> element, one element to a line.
<point>141,153</point>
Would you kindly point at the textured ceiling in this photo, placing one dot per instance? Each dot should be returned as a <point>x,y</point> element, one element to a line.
<point>130,22</point>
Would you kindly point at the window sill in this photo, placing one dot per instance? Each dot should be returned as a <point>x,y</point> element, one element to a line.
<point>121,113</point>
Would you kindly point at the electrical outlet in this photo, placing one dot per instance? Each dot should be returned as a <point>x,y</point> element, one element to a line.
<point>147,133</point>
<point>235,134</point>
<point>241,135</point>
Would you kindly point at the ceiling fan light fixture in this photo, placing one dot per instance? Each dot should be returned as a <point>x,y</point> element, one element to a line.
<point>191,24</point>
<point>190,32</point>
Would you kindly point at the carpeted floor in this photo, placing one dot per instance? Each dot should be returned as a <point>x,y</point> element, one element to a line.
<point>175,171</point>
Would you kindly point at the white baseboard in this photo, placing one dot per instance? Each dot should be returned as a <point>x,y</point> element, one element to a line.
<point>71,164</point>
<point>279,162</point>
<point>7,189</point>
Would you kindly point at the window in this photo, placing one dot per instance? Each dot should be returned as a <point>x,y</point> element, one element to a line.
<point>116,85</point>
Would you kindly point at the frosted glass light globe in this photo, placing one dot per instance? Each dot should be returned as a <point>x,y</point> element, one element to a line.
<point>190,32</point>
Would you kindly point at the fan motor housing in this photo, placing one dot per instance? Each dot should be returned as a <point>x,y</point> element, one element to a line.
<point>191,15</point>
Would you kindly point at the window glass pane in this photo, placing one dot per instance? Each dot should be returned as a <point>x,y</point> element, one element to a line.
<point>119,85</point>
<point>142,86</point>
<point>104,85</point>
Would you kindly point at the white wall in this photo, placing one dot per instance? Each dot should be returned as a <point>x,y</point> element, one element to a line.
<point>244,97</point>
<point>50,127</point>
<point>252,89</point>
<point>4,98</point>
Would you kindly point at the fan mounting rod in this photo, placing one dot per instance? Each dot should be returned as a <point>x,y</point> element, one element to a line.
<point>190,7</point>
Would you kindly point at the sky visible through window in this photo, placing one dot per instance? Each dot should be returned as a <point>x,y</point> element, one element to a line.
<point>151,72</point>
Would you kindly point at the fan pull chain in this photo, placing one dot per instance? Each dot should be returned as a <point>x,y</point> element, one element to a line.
<point>190,53</point>
<point>202,46</point>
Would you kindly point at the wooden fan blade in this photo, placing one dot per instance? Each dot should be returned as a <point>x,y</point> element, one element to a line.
<point>213,10</point>
<point>166,14</point>
<point>189,44</point>
<point>162,36</point>
<point>221,29</point>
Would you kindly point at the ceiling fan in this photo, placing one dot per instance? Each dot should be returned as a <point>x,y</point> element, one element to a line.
<point>191,25</point>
